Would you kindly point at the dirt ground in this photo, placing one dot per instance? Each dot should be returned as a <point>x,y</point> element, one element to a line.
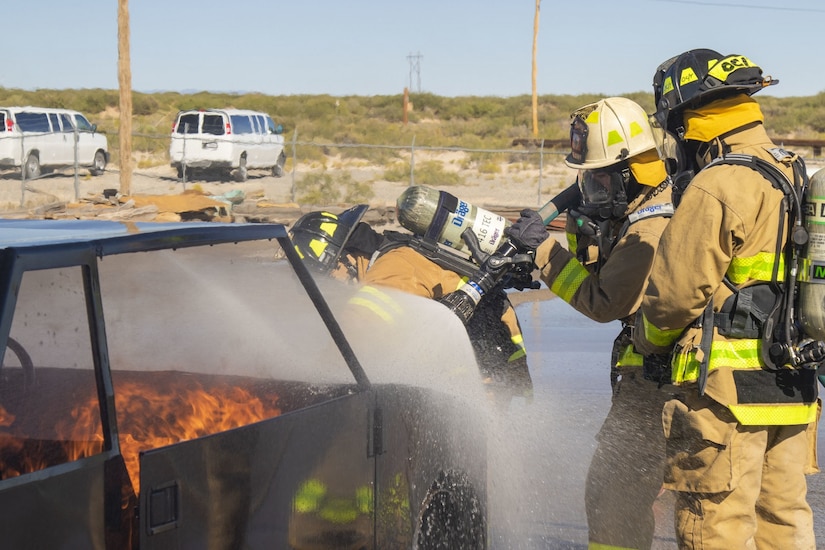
<point>264,197</point>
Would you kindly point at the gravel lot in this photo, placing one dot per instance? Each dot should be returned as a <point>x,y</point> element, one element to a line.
<point>263,193</point>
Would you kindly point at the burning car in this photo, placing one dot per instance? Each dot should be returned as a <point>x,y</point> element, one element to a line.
<point>180,386</point>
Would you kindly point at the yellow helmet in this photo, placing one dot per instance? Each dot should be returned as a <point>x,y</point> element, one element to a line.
<point>608,132</point>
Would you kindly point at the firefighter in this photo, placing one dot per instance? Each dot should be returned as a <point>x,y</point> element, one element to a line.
<point>612,240</point>
<point>739,435</point>
<point>347,248</point>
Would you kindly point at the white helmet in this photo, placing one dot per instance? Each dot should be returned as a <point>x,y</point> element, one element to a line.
<point>607,132</point>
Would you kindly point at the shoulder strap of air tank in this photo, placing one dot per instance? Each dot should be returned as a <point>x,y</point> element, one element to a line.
<point>392,239</point>
<point>428,248</point>
<point>768,170</point>
<point>794,192</point>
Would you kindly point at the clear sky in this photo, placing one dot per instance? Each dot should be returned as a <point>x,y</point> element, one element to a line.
<point>364,47</point>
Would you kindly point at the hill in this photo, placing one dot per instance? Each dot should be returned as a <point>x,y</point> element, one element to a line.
<point>433,121</point>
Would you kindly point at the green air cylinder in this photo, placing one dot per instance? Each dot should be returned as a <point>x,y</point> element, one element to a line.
<point>811,275</point>
<point>443,217</point>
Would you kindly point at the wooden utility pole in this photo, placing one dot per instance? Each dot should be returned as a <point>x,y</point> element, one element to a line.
<point>124,80</point>
<point>406,104</point>
<point>535,70</point>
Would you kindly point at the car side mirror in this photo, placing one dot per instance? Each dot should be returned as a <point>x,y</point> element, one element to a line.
<point>94,128</point>
<point>279,129</point>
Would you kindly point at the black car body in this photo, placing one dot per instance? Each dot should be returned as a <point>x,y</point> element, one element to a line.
<point>152,396</point>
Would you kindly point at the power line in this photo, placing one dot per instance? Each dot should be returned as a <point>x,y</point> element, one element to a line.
<point>415,67</point>
<point>748,6</point>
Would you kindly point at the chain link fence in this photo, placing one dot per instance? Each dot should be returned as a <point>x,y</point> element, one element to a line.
<point>324,173</point>
<point>38,154</point>
<point>333,172</point>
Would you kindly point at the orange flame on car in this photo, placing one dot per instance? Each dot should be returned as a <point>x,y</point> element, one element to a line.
<point>153,410</point>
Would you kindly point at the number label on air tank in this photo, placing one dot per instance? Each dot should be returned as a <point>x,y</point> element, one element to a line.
<point>814,209</point>
<point>488,227</point>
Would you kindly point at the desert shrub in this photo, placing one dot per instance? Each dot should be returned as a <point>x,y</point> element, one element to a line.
<point>375,155</point>
<point>318,188</point>
<point>398,172</point>
<point>489,166</point>
<point>95,101</point>
<point>322,188</point>
<point>144,104</point>
<point>308,153</point>
<point>356,192</point>
<point>432,173</point>
<point>434,121</point>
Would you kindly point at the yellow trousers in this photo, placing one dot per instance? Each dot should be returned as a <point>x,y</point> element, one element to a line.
<point>737,486</point>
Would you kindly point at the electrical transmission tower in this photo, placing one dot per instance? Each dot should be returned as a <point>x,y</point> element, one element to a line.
<point>415,68</point>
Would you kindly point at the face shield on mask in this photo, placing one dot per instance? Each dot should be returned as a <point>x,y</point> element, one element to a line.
<point>604,200</point>
<point>603,192</point>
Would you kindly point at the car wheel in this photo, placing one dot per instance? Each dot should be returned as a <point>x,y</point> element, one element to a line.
<point>278,169</point>
<point>241,173</point>
<point>32,166</point>
<point>98,164</point>
<point>452,515</point>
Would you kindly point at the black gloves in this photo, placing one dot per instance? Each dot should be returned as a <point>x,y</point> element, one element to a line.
<point>528,232</point>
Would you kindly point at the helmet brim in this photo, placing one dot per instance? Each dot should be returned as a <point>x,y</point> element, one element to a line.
<point>350,217</point>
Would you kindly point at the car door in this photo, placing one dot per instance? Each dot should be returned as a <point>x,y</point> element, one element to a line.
<point>38,137</point>
<point>265,158</point>
<point>86,146</point>
<point>54,463</point>
<point>286,482</point>
<point>218,466</point>
<point>59,153</point>
<point>245,139</point>
<point>65,139</point>
<point>261,159</point>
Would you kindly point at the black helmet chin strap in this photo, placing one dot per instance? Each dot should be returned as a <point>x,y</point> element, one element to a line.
<point>352,269</point>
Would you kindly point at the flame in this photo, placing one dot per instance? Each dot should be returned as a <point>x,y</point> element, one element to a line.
<point>153,410</point>
<point>152,415</point>
<point>72,438</point>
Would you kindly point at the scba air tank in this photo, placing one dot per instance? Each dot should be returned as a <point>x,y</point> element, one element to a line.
<point>812,273</point>
<point>444,217</point>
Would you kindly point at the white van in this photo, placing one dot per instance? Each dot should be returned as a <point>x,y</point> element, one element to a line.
<point>227,139</point>
<point>39,140</point>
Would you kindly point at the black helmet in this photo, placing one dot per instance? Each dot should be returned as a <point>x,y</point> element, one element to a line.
<point>698,77</point>
<point>320,237</point>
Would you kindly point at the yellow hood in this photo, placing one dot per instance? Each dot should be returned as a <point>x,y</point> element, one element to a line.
<point>648,168</point>
<point>719,117</point>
